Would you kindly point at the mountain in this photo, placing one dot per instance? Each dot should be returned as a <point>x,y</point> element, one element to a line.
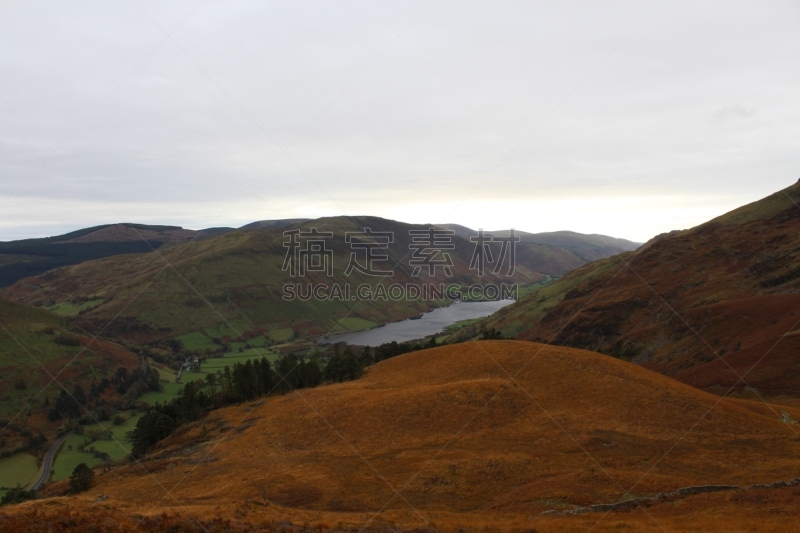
<point>30,257</point>
<point>444,439</point>
<point>716,306</point>
<point>40,357</point>
<point>280,223</point>
<point>585,247</point>
<point>223,286</point>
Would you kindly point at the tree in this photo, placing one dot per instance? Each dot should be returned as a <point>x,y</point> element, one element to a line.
<point>150,429</point>
<point>53,415</point>
<point>81,478</point>
<point>211,380</point>
<point>366,356</point>
<point>226,374</point>
<point>344,366</point>
<point>351,365</point>
<point>17,495</point>
<point>265,376</point>
<point>190,408</point>
<point>79,395</point>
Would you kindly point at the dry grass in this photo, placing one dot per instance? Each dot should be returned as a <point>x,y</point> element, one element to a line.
<point>443,437</point>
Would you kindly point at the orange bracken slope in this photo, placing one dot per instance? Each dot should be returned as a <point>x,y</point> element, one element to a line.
<point>447,431</point>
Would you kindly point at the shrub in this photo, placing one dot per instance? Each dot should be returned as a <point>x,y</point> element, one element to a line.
<point>81,478</point>
<point>66,338</point>
<point>17,495</point>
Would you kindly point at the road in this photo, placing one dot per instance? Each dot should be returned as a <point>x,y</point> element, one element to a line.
<point>47,464</point>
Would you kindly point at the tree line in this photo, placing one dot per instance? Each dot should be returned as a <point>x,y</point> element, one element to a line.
<point>257,378</point>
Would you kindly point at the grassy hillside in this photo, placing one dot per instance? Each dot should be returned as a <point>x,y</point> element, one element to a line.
<point>224,286</point>
<point>443,438</point>
<point>705,305</point>
<point>30,257</point>
<point>35,347</point>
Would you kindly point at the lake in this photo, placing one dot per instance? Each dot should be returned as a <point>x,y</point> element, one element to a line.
<point>408,330</point>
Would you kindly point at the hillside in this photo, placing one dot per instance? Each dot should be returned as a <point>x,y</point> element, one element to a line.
<point>221,287</point>
<point>30,257</point>
<point>443,438</point>
<point>706,306</point>
<point>36,347</point>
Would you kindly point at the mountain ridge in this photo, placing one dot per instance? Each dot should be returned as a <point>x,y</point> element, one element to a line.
<point>707,305</point>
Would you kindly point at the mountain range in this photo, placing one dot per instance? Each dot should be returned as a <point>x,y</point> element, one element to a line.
<point>232,282</point>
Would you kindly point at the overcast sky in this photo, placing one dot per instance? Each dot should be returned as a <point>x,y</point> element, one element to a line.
<point>622,118</point>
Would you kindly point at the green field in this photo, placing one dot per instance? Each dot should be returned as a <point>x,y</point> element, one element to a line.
<point>281,334</point>
<point>353,324</point>
<point>19,469</point>
<point>117,447</point>
<point>196,341</point>
<point>67,459</point>
<point>171,389</point>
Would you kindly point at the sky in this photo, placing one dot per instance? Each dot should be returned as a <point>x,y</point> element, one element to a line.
<point>622,118</point>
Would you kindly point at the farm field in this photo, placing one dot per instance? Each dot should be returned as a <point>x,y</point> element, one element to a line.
<point>18,469</point>
<point>117,447</point>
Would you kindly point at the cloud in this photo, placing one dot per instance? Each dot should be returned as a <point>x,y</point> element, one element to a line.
<point>732,112</point>
<point>330,108</point>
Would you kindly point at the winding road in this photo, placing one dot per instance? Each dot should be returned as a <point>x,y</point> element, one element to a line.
<point>47,464</point>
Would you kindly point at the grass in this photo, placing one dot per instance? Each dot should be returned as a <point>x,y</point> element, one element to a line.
<point>67,459</point>
<point>70,309</point>
<point>118,447</point>
<point>281,334</point>
<point>509,458</point>
<point>218,363</point>
<point>171,390</point>
<point>354,324</point>
<point>196,341</point>
<point>19,469</point>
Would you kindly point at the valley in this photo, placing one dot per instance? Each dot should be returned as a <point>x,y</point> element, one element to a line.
<point>622,379</point>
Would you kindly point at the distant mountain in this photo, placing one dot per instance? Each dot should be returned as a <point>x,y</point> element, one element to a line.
<point>234,282</point>
<point>29,257</point>
<point>586,247</point>
<point>705,305</point>
<point>279,223</point>
<point>556,254</point>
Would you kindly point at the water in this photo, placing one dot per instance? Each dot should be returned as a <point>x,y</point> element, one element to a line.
<point>430,323</point>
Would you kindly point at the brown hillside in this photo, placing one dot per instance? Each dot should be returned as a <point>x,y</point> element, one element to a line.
<point>706,306</point>
<point>461,443</point>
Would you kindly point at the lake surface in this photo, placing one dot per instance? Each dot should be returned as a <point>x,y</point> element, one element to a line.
<point>430,323</point>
